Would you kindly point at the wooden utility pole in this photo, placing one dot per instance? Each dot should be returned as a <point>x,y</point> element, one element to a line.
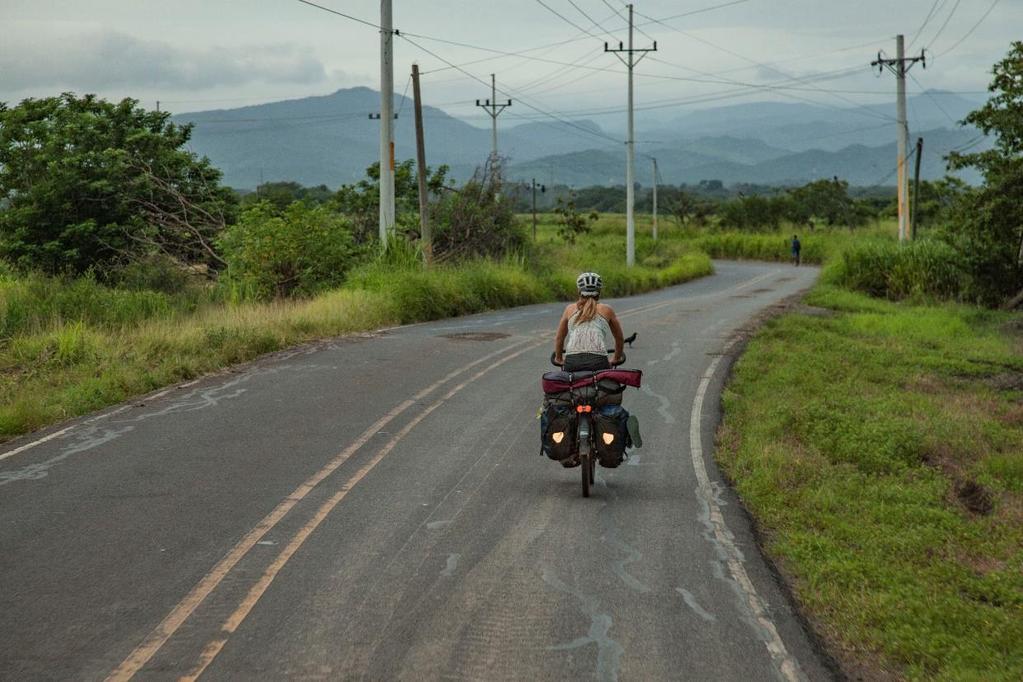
<point>424,204</point>
<point>900,66</point>
<point>916,185</point>
<point>655,199</point>
<point>543,189</point>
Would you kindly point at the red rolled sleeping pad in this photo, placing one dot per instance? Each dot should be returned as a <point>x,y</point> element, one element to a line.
<point>561,381</point>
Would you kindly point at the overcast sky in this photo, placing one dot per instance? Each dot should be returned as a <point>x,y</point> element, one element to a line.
<point>209,54</point>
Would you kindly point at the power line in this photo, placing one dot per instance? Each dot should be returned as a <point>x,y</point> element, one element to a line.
<point>619,13</point>
<point>857,108</point>
<point>947,19</point>
<point>566,19</point>
<point>934,100</point>
<point>702,10</point>
<point>970,32</point>
<point>404,97</point>
<point>740,56</point>
<point>526,103</point>
<point>926,20</point>
<point>341,14</point>
<point>591,19</point>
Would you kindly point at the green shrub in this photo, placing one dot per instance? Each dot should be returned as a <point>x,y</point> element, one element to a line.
<point>474,221</point>
<point>301,250</point>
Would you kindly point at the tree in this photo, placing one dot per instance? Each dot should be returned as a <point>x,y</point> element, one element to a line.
<point>685,208</point>
<point>361,201</point>
<point>282,194</point>
<point>989,230</point>
<point>751,213</point>
<point>88,183</point>
<point>825,200</point>
<point>572,223</point>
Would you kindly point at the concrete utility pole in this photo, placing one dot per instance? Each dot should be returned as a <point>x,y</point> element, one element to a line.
<point>424,208</point>
<point>386,123</point>
<point>630,62</point>
<point>900,66</point>
<point>655,200</point>
<point>494,109</point>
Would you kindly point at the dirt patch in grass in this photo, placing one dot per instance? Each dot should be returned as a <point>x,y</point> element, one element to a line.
<point>1006,381</point>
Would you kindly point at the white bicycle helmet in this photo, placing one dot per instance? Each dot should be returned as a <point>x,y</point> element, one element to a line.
<point>589,284</point>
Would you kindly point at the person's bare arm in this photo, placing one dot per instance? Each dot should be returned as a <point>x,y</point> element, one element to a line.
<point>616,331</point>
<point>559,337</point>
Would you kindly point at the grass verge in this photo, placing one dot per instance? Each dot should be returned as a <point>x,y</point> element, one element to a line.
<point>71,347</point>
<point>880,448</point>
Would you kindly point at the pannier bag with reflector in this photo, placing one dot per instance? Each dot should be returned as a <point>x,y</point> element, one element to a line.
<point>558,424</point>
<point>611,435</point>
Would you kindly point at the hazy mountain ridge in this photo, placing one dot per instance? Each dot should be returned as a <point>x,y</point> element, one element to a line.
<point>331,139</point>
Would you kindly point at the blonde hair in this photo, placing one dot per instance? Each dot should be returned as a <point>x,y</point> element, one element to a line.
<point>587,307</point>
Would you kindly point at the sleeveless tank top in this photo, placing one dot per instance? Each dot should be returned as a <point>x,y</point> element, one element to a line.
<point>592,336</point>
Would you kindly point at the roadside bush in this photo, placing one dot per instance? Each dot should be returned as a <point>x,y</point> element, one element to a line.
<point>474,221</point>
<point>927,268</point>
<point>298,252</point>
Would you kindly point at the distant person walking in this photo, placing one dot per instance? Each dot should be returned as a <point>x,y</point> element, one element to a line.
<point>796,248</point>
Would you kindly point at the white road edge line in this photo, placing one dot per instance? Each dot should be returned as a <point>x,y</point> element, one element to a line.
<point>787,665</point>
<point>111,413</point>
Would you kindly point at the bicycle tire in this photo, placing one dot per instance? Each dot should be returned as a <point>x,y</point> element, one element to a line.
<point>585,469</point>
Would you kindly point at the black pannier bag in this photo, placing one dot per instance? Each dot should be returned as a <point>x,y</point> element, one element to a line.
<point>558,425</point>
<point>611,435</point>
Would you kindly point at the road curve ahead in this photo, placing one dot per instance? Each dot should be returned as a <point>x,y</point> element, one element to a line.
<point>375,507</point>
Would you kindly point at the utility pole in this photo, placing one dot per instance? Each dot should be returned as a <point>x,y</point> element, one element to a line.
<point>655,199</point>
<point>630,62</point>
<point>542,190</point>
<point>900,66</point>
<point>386,123</point>
<point>424,209</point>
<point>494,109</point>
<point>916,184</point>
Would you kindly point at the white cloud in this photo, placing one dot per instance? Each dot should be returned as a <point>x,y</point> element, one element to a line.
<point>99,58</point>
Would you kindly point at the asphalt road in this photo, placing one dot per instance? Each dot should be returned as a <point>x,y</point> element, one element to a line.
<point>375,507</point>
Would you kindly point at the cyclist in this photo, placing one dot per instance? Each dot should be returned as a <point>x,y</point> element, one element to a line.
<point>587,328</point>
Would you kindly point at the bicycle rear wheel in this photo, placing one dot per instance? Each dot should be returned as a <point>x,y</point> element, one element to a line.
<point>586,467</point>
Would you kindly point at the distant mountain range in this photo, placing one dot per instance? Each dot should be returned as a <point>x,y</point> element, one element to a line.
<point>858,164</point>
<point>331,140</point>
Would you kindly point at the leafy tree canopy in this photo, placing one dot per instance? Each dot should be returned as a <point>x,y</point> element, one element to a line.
<point>989,233</point>
<point>88,182</point>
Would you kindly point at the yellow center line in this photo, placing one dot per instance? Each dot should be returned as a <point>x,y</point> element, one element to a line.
<point>184,609</point>
<point>231,624</point>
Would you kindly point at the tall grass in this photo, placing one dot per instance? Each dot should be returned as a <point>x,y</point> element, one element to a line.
<point>71,346</point>
<point>33,303</point>
<point>925,269</point>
